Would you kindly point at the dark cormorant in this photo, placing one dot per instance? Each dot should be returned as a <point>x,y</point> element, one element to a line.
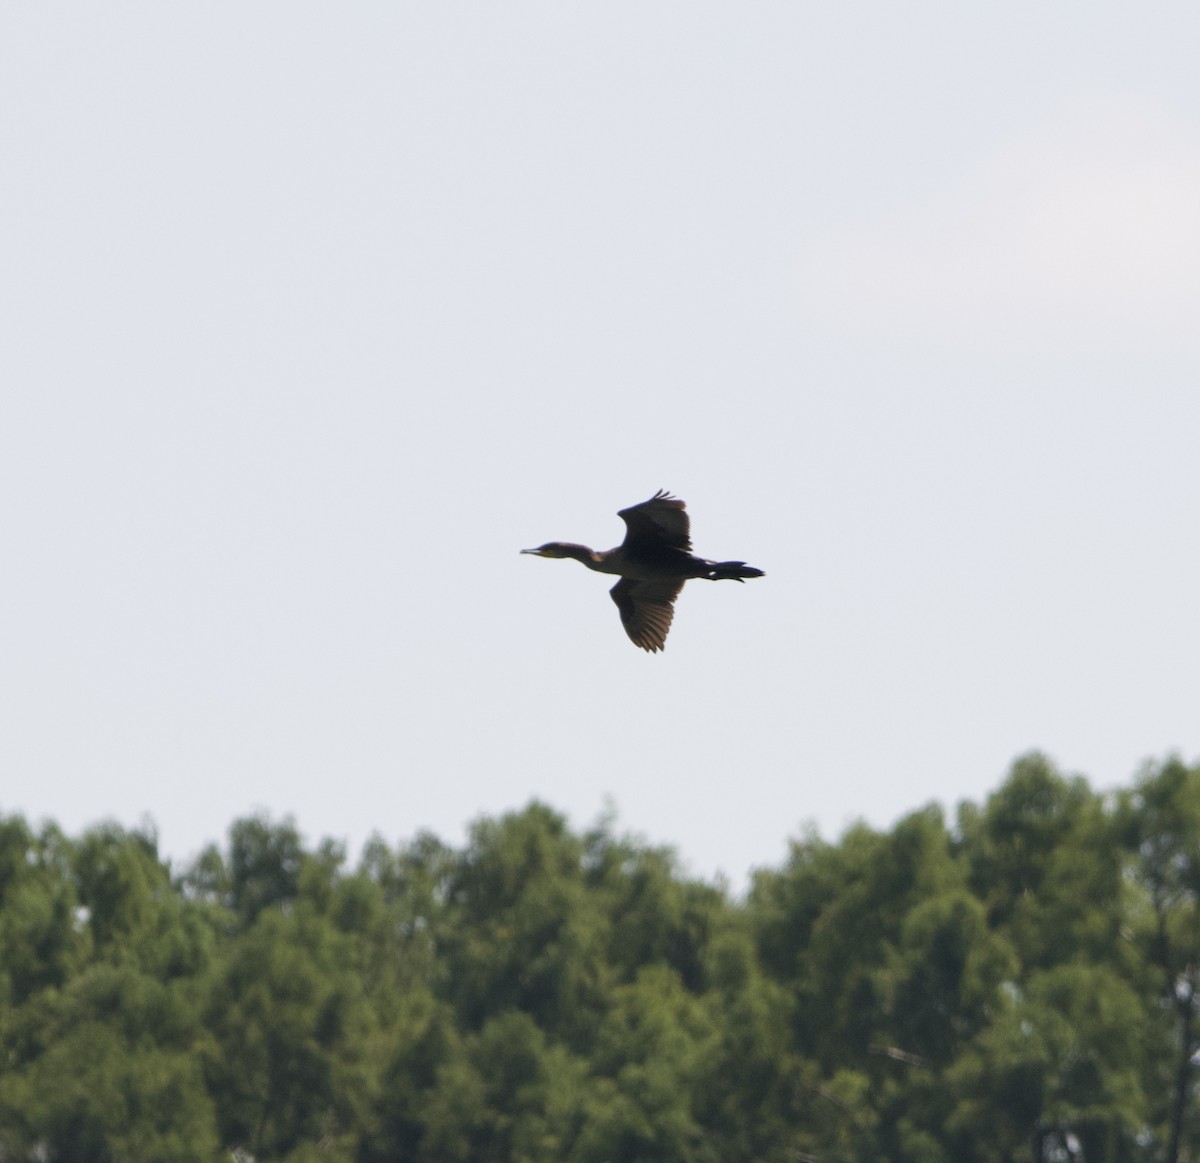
<point>653,562</point>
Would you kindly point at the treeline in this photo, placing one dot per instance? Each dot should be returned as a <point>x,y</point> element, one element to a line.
<point>1017,986</point>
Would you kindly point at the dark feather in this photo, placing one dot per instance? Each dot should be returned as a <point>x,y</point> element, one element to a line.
<point>661,522</point>
<point>646,610</point>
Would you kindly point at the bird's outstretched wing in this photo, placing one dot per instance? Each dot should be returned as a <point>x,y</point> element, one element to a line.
<point>660,522</point>
<point>646,609</point>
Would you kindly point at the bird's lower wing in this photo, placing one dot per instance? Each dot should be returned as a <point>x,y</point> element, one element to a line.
<point>646,610</point>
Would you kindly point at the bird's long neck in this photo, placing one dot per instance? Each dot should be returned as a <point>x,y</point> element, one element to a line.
<point>589,557</point>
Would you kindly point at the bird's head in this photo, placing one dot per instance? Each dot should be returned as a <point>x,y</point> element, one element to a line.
<point>552,549</point>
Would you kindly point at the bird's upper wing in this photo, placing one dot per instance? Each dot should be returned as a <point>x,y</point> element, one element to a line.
<point>646,609</point>
<point>660,521</point>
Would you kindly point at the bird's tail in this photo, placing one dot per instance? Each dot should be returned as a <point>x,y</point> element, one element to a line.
<point>732,571</point>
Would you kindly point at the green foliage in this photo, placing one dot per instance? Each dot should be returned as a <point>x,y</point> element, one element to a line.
<point>527,934</point>
<point>264,865</point>
<point>100,959</point>
<point>102,1070</point>
<point>1018,988</point>
<point>1159,821</point>
<point>1042,847</point>
<point>41,945</point>
<point>1065,1053</point>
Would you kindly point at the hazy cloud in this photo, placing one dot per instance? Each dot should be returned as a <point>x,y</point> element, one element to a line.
<point>1086,229</point>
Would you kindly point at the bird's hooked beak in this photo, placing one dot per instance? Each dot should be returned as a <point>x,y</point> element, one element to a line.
<point>535,552</point>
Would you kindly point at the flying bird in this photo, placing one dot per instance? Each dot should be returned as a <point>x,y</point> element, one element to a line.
<point>653,562</point>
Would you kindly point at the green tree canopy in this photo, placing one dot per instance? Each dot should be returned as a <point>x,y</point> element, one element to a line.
<point>1018,987</point>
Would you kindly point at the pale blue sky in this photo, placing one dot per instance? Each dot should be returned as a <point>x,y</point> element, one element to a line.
<point>313,316</point>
